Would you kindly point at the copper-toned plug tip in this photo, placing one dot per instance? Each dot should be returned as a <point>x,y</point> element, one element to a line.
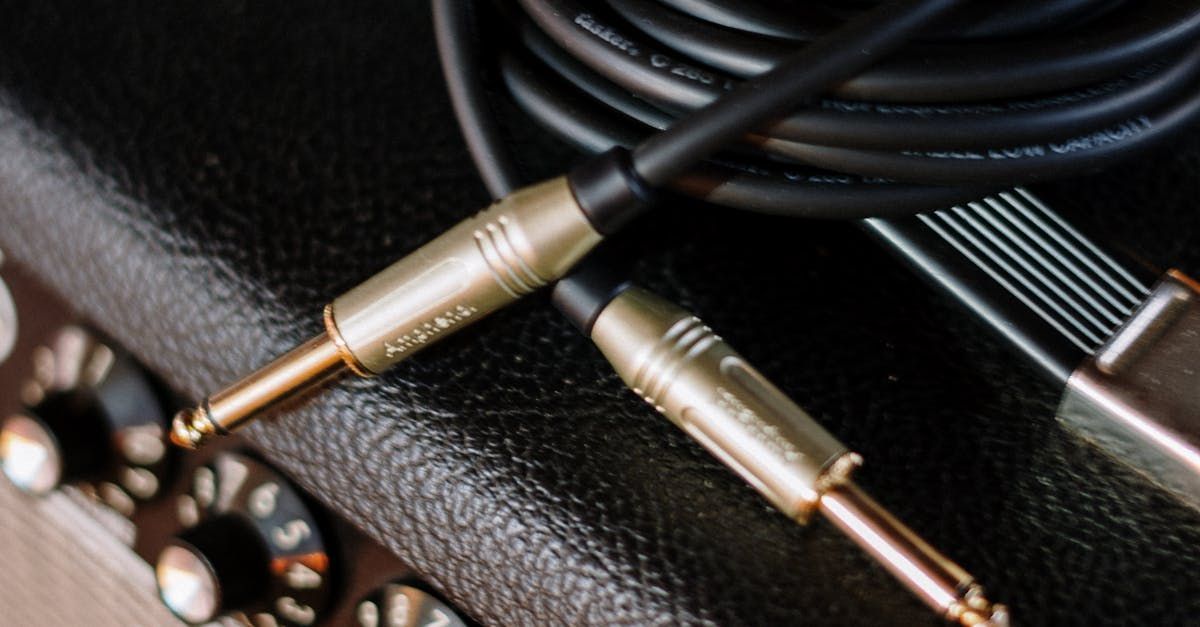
<point>974,610</point>
<point>191,428</point>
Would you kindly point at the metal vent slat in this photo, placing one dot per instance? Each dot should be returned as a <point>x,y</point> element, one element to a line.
<point>1042,261</point>
<point>1118,277</point>
<point>1011,279</point>
<point>1017,254</point>
<point>1083,269</point>
<point>1063,272</point>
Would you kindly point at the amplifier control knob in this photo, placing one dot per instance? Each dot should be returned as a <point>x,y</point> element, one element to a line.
<point>8,320</point>
<point>91,415</point>
<point>401,605</point>
<point>215,567</point>
<point>254,547</point>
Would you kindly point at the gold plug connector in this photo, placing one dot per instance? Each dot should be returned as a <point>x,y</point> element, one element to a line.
<point>678,365</point>
<point>520,243</point>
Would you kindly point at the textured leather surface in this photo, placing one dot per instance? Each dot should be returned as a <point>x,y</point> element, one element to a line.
<point>201,177</point>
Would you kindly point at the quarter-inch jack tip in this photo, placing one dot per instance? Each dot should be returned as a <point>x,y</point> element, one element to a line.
<point>191,428</point>
<point>974,610</point>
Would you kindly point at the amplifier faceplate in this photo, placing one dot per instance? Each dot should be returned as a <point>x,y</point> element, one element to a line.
<point>68,558</point>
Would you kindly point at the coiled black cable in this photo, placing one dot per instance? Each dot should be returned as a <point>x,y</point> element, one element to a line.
<point>997,94</point>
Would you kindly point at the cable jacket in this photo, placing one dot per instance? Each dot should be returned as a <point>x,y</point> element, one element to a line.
<point>925,113</point>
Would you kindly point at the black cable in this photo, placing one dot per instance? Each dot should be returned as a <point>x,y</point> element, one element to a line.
<point>939,70</point>
<point>572,98</point>
<point>614,188</point>
<point>457,41</point>
<point>567,96</point>
<point>583,294</point>
<point>853,47</point>
<point>758,185</point>
<point>992,96</point>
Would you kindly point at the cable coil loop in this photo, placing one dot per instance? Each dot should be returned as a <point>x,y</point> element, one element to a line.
<point>994,95</point>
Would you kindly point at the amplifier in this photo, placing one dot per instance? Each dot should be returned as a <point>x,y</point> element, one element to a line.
<point>184,187</point>
<point>135,532</point>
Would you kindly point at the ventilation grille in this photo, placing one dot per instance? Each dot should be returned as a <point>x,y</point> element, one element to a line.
<point>61,566</point>
<point>1043,262</point>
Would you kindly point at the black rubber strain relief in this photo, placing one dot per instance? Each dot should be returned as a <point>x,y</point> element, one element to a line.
<point>582,295</point>
<point>609,190</point>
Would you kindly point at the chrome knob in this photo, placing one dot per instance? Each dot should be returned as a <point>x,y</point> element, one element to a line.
<point>29,455</point>
<point>218,566</point>
<point>187,584</point>
<point>8,322</point>
<point>403,605</point>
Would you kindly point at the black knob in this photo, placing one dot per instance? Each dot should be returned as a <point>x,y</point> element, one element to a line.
<point>254,546</point>
<point>92,415</point>
<point>55,442</point>
<point>218,566</point>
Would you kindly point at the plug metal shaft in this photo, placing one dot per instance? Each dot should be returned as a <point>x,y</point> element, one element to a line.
<point>520,243</point>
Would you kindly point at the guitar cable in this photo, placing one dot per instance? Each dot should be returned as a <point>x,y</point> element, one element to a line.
<point>1038,90</point>
<point>988,97</point>
<point>1017,99</point>
<point>676,363</point>
<point>713,100</point>
<point>535,235</point>
<point>1000,95</point>
<point>1031,91</point>
<point>679,366</point>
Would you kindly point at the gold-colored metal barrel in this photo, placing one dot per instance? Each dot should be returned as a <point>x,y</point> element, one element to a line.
<point>519,244</point>
<point>676,363</point>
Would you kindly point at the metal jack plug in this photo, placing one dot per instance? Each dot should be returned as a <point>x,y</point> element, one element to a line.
<point>522,242</point>
<point>676,363</point>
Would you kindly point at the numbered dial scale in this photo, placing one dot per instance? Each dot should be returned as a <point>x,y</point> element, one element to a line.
<point>250,546</point>
<point>402,605</point>
<point>96,419</point>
